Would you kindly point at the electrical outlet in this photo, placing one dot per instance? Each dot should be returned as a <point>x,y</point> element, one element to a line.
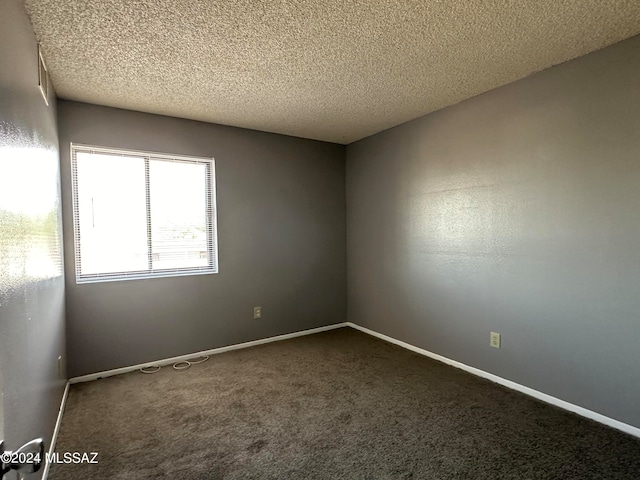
<point>257,312</point>
<point>494,340</point>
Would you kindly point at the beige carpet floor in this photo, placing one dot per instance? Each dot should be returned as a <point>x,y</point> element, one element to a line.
<point>334,405</point>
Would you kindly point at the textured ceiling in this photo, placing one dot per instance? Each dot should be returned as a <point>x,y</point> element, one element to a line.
<point>335,70</point>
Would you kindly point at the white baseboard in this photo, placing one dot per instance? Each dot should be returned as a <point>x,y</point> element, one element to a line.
<point>610,422</point>
<point>56,430</point>
<point>631,430</point>
<point>214,351</point>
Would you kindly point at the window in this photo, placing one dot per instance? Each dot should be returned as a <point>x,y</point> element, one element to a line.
<point>141,215</point>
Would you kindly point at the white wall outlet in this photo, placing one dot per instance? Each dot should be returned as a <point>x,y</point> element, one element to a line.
<point>494,340</point>
<point>257,312</point>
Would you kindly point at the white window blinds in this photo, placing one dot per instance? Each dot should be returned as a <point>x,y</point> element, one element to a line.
<point>140,215</point>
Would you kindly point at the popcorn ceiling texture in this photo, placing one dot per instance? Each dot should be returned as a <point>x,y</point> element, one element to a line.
<point>334,70</point>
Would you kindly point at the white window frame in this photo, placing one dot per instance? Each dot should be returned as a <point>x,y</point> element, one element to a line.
<point>211,206</point>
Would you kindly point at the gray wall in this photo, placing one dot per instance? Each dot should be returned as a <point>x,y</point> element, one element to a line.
<point>31,283</point>
<point>281,231</point>
<point>517,211</point>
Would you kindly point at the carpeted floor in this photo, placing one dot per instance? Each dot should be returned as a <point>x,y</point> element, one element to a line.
<point>334,405</point>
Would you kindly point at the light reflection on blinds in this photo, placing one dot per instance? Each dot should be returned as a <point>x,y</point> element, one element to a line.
<point>30,235</point>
